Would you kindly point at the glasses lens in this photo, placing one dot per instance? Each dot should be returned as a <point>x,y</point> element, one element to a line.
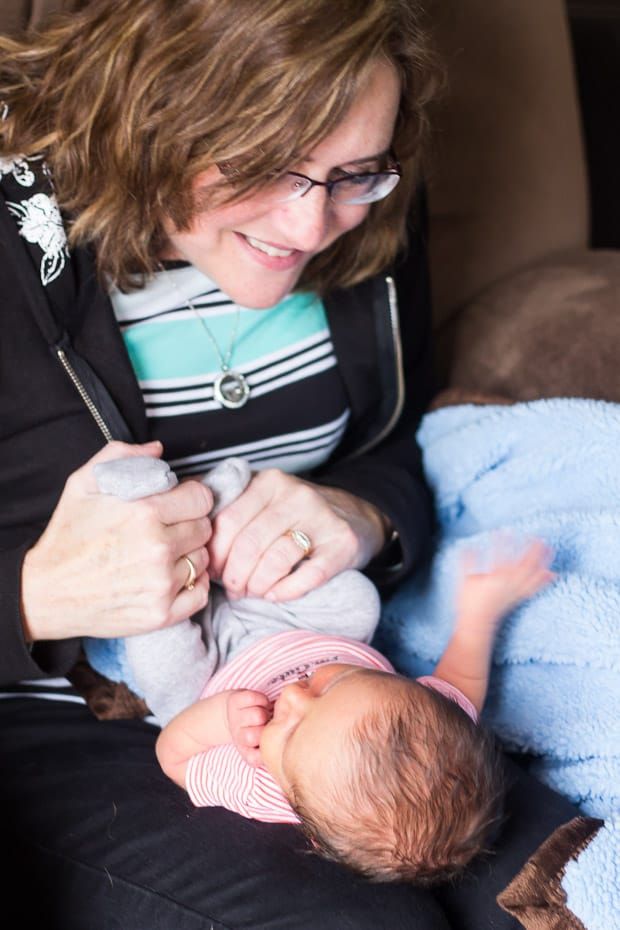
<point>364,188</point>
<point>288,187</point>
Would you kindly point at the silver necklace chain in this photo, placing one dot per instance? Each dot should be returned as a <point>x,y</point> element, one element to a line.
<point>230,388</point>
<point>224,359</point>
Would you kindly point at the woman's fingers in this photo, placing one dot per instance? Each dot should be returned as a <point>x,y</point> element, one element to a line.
<point>190,500</point>
<point>189,600</point>
<point>190,568</point>
<point>254,548</point>
<point>306,577</point>
<point>263,550</point>
<point>277,562</point>
<point>235,519</point>
<point>182,538</point>
<point>254,568</point>
<point>116,566</point>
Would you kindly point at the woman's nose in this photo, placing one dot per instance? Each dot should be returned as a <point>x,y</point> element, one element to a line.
<point>307,220</point>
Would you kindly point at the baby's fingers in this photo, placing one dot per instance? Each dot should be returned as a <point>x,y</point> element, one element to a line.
<point>536,558</point>
<point>532,570</point>
<point>251,755</point>
<point>244,699</point>
<point>252,717</point>
<point>537,554</point>
<point>249,737</point>
<point>537,580</point>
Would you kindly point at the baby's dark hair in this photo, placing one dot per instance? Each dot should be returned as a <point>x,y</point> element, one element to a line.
<point>421,793</point>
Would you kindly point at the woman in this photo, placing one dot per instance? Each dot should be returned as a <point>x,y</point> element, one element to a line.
<point>233,177</point>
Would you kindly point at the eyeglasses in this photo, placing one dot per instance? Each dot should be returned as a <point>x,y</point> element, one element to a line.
<point>351,189</point>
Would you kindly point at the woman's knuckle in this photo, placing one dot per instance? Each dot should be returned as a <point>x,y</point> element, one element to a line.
<point>226,522</point>
<point>199,496</point>
<point>160,553</point>
<point>320,574</point>
<point>249,545</point>
<point>206,529</point>
<point>163,588</point>
<point>348,537</point>
<point>144,512</point>
<point>300,495</point>
<point>277,560</point>
<point>159,614</point>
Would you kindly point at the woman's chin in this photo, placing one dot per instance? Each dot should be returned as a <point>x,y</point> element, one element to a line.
<point>258,295</point>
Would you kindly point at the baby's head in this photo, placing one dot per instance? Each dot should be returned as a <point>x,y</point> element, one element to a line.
<point>386,775</point>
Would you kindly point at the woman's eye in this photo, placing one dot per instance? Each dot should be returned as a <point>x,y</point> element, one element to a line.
<point>357,182</point>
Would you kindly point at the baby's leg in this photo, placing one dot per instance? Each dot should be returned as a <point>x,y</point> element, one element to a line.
<point>170,667</point>
<point>346,605</point>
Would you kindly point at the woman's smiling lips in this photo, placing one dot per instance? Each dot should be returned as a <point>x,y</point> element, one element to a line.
<point>269,255</point>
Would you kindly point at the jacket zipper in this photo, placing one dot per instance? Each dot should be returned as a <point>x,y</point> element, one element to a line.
<point>400,376</point>
<point>88,401</point>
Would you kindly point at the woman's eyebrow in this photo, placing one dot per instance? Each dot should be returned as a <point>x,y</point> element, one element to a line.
<point>360,161</point>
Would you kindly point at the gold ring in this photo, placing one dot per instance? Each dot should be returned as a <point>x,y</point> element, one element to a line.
<point>191,574</point>
<point>302,540</point>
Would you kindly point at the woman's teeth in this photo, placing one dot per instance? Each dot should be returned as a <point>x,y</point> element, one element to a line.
<point>269,249</point>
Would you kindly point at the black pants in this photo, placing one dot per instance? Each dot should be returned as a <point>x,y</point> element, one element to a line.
<point>101,840</point>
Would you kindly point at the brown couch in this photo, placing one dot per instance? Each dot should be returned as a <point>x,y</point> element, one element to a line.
<point>524,306</point>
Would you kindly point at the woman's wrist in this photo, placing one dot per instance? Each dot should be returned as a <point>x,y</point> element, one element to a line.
<point>27,601</point>
<point>35,598</point>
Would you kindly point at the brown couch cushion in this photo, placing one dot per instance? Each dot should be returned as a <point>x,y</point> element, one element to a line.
<point>535,896</point>
<point>551,330</point>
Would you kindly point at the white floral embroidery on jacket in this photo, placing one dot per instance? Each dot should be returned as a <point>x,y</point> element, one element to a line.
<point>40,222</point>
<point>19,168</point>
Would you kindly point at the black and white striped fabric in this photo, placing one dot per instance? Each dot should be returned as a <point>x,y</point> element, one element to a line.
<point>297,411</point>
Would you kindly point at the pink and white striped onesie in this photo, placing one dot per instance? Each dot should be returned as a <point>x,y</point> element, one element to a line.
<point>220,777</point>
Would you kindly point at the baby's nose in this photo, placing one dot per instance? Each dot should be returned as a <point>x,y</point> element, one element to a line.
<point>296,696</point>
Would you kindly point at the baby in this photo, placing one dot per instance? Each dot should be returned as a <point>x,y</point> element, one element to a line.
<point>389,776</point>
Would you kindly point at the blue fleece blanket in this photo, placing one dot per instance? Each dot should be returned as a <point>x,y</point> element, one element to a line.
<point>549,468</point>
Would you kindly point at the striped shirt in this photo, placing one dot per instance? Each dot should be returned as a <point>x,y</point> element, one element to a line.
<point>220,777</point>
<point>177,331</point>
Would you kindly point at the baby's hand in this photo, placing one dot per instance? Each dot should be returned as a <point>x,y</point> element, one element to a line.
<point>248,712</point>
<point>485,597</point>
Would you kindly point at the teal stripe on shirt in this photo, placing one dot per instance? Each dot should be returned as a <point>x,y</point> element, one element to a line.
<point>178,348</point>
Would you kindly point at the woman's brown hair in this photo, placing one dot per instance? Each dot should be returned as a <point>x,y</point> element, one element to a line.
<point>130,100</point>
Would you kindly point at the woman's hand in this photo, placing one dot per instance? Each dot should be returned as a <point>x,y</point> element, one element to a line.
<point>107,567</point>
<point>252,553</point>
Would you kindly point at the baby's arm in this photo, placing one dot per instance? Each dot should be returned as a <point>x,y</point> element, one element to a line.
<point>483,601</point>
<point>228,717</point>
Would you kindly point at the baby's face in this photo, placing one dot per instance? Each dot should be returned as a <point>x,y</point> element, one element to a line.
<point>305,740</point>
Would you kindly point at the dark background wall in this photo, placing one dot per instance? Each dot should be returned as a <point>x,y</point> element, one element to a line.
<point>595,27</point>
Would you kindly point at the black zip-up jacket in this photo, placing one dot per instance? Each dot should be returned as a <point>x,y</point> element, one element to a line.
<point>47,431</point>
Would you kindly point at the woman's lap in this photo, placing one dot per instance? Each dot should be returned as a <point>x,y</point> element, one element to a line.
<point>104,840</point>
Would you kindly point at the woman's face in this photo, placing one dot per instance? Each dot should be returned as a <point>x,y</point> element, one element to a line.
<point>255,250</point>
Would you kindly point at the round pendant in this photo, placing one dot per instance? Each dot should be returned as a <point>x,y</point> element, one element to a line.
<point>231,389</point>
